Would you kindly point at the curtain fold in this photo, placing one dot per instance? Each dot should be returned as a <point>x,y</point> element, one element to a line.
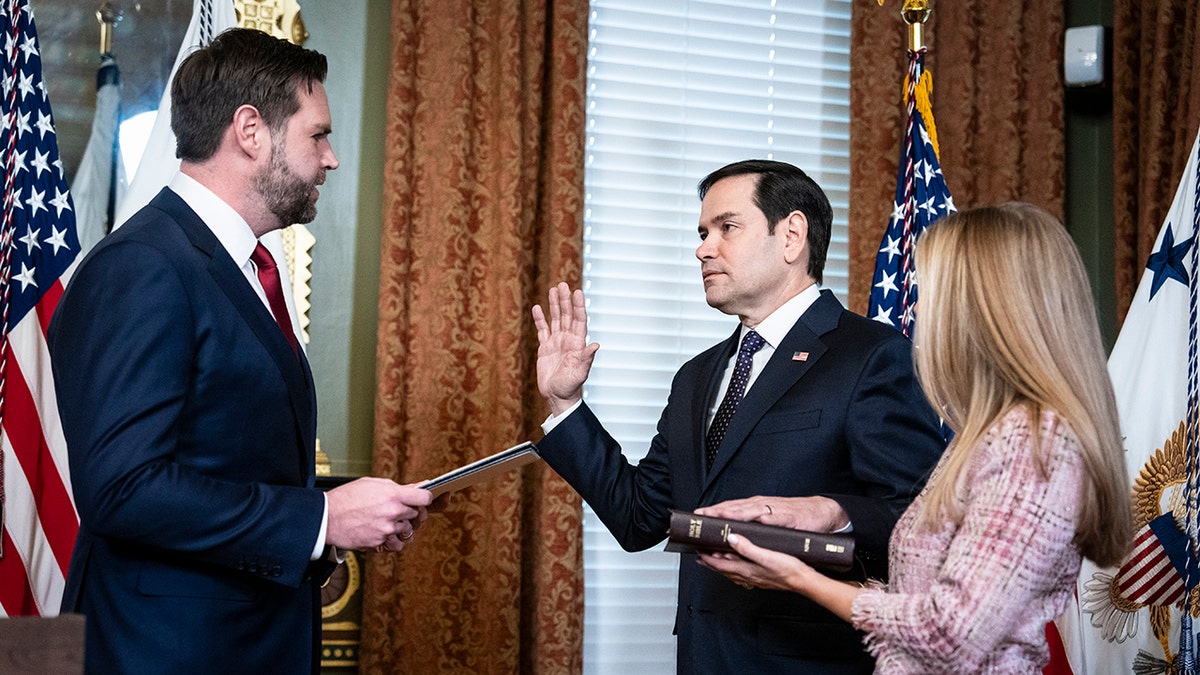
<point>483,210</point>
<point>997,101</point>
<point>1156,112</point>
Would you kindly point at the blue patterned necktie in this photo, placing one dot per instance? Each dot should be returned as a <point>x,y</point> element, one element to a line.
<point>733,396</point>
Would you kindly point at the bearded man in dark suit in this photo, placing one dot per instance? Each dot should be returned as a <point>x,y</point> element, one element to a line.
<point>808,414</point>
<point>188,402</point>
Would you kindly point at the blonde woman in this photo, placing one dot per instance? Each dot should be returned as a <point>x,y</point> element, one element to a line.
<point>1007,348</point>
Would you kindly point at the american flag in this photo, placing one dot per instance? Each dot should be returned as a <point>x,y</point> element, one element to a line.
<point>38,249</point>
<point>921,198</point>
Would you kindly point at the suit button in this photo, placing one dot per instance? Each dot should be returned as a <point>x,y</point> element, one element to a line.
<point>276,571</point>
<point>689,610</point>
<point>241,566</point>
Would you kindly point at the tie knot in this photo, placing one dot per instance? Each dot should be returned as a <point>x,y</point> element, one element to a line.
<point>262,257</point>
<point>752,343</point>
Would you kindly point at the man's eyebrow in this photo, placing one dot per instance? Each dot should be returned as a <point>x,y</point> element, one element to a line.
<point>720,216</point>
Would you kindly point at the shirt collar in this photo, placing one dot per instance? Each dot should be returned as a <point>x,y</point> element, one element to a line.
<point>778,323</point>
<point>227,225</point>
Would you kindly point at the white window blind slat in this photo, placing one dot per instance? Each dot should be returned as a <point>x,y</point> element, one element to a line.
<point>676,89</point>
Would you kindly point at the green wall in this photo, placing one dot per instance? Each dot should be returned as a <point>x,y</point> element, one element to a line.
<point>354,35</point>
<point>1089,180</point>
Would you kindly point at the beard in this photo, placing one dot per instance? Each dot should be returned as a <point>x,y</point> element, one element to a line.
<point>287,194</point>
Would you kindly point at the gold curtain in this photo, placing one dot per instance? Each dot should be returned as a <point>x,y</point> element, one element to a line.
<point>483,210</point>
<point>1156,111</point>
<point>997,101</point>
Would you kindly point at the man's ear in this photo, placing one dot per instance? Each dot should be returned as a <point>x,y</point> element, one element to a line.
<point>794,229</point>
<point>250,132</point>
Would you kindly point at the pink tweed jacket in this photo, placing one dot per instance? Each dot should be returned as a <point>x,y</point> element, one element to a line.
<point>975,597</point>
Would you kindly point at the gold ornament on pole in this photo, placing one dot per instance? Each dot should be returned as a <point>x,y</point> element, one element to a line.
<point>107,16</point>
<point>915,13</point>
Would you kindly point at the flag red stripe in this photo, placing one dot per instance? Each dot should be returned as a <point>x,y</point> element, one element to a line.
<point>16,596</point>
<point>1145,544</point>
<point>1158,582</point>
<point>1170,589</point>
<point>49,493</point>
<point>49,302</point>
<point>1148,563</point>
<point>1146,553</point>
<point>1147,577</point>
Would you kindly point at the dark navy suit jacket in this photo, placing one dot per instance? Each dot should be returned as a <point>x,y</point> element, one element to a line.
<point>849,422</point>
<point>190,427</point>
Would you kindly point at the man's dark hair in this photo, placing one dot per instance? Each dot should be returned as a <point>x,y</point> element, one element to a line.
<point>240,67</point>
<point>780,189</point>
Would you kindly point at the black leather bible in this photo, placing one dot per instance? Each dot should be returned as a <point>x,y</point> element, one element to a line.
<point>690,533</point>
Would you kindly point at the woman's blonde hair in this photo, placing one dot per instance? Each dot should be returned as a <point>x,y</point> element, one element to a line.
<point>1006,319</point>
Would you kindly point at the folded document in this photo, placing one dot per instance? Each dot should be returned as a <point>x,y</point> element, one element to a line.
<point>484,469</point>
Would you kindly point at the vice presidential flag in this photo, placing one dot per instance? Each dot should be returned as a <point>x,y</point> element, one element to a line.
<point>38,252</point>
<point>921,198</point>
<point>1129,620</point>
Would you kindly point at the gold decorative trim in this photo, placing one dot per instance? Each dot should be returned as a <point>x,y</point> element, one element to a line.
<point>353,581</point>
<point>339,654</point>
<point>280,18</point>
<point>298,243</point>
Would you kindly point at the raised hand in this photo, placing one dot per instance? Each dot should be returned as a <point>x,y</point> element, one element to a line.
<point>564,356</point>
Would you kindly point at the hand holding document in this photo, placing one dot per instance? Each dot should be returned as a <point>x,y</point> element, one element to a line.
<point>484,469</point>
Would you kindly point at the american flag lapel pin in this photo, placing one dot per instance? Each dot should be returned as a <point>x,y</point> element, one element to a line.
<point>800,356</point>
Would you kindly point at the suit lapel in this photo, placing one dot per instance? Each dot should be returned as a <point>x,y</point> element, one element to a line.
<point>717,361</point>
<point>229,278</point>
<point>779,375</point>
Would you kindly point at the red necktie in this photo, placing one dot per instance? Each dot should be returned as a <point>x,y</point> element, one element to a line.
<point>268,276</point>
